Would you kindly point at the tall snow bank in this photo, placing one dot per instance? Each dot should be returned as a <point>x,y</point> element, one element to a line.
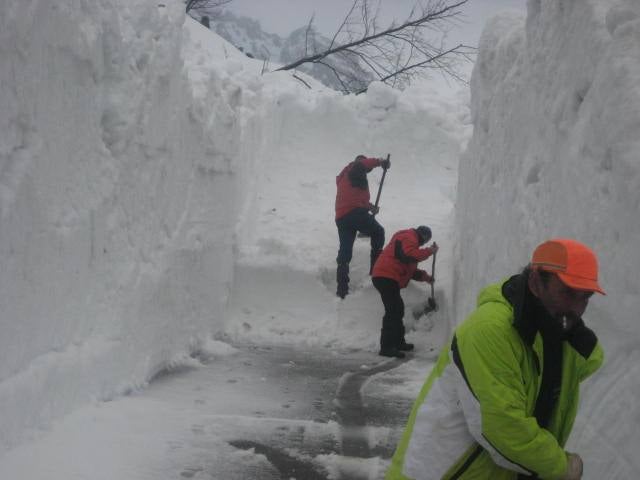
<point>555,152</point>
<point>119,180</point>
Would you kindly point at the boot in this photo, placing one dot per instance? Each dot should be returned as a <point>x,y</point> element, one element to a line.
<point>402,344</point>
<point>391,352</point>
<point>388,346</point>
<point>342,279</point>
<point>406,347</point>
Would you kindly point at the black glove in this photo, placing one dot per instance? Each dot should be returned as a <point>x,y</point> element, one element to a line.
<point>385,164</point>
<point>422,276</point>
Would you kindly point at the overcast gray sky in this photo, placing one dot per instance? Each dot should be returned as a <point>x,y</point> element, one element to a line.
<point>284,16</point>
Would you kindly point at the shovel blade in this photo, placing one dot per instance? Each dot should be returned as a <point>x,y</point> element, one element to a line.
<point>431,304</point>
<point>425,308</point>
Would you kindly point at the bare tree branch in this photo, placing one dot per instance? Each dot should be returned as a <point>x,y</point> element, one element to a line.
<point>301,80</point>
<point>308,31</point>
<point>395,55</point>
<point>411,23</point>
<point>338,77</point>
<point>344,22</point>
<point>420,64</point>
<point>204,5</point>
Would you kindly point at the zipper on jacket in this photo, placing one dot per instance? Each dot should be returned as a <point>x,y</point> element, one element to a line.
<point>467,463</point>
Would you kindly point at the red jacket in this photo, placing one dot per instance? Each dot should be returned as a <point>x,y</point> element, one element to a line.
<point>399,259</point>
<point>353,189</point>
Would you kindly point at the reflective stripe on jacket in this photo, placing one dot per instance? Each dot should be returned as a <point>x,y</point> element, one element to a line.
<point>353,194</point>
<point>473,419</point>
<point>399,259</point>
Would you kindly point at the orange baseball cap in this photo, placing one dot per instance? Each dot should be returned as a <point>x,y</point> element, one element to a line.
<point>575,264</point>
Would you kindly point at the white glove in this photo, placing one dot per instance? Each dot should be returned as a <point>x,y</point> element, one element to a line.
<point>574,467</point>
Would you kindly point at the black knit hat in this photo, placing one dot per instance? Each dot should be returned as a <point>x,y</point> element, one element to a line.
<point>424,233</point>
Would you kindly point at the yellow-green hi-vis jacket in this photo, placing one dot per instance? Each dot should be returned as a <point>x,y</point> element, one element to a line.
<point>474,417</point>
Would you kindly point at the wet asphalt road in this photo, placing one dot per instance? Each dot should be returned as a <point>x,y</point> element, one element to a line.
<point>302,416</point>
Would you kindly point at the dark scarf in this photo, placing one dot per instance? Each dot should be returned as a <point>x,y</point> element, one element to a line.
<point>530,317</point>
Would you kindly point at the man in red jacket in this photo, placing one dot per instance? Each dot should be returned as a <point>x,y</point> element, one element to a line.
<point>352,215</point>
<point>397,264</point>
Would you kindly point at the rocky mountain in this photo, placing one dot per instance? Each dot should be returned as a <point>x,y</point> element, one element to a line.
<point>247,35</point>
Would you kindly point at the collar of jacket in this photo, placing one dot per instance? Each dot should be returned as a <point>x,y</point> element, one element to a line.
<point>529,316</point>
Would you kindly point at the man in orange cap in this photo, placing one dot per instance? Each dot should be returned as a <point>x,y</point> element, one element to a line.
<point>501,401</point>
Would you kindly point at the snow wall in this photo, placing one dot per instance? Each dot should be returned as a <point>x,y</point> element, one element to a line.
<point>118,185</point>
<point>556,152</point>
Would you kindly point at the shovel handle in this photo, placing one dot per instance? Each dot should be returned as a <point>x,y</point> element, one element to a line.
<point>433,272</point>
<point>384,174</point>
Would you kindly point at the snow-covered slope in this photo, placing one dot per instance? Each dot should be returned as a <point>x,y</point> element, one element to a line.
<point>555,152</point>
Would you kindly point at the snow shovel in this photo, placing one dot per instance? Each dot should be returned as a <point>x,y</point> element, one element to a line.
<point>384,173</point>
<point>430,305</point>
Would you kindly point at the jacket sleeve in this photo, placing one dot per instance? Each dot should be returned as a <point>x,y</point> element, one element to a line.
<point>412,250</point>
<point>419,275</point>
<point>493,398</point>
<point>370,163</point>
<point>592,363</point>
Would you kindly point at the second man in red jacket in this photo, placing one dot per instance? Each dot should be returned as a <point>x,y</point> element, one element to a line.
<point>396,265</point>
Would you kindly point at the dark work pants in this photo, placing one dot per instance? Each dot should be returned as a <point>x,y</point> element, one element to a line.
<point>349,225</point>
<point>358,220</point>
<point>392,333</point>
